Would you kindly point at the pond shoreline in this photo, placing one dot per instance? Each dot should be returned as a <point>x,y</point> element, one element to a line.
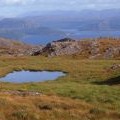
<point>31,76</point>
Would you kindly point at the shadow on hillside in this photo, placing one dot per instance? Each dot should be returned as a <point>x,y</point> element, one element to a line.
<point>112,81</point>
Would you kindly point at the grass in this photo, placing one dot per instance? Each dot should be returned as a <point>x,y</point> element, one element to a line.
<point>77,96</point>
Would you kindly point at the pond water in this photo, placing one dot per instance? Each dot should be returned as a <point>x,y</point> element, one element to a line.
<point>31,76</point>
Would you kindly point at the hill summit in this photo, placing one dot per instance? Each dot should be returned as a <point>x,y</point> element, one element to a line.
<point>105,48</point>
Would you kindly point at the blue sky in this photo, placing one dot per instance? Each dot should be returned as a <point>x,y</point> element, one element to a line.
<point>17,7</point>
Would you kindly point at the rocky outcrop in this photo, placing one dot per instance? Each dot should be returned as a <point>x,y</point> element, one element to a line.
<point>112,52</point>
<point>115,67</point>
<point>36,50</point>
<point>92,49</point>
<point>21,93</point>
<point>106,48</point>
<point>62,47</point>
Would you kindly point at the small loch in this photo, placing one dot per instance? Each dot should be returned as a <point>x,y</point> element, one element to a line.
<point>31,76</point>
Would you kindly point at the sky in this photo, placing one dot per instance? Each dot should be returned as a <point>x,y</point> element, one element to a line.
<point>18,7</point>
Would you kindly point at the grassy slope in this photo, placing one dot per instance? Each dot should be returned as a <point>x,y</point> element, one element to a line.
<point>77,89</point>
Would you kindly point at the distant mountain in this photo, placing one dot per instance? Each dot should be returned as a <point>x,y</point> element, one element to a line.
<point>45,26</point>
<point>15,28</point>
<point>73,15</point>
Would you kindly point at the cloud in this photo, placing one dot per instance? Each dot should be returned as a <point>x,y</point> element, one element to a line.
<point>15,2</point>
<point>21,6</point>
<point>68,4</point>
<point>56,2</point>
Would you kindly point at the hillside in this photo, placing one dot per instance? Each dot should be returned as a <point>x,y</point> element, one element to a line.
<point>106,48</point>
<point>16,48</point>
<point>90,90</point>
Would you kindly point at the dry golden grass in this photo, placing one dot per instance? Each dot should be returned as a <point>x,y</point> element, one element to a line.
<point>50,108</point>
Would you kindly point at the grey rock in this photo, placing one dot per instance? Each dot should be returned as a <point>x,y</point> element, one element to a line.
<point>62,47</point>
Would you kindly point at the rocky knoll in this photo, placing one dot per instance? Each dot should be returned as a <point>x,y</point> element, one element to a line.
<point>98,48</point>
<point>62,47</point>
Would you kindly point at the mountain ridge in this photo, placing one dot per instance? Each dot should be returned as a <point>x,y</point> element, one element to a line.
<point>60,24</point>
